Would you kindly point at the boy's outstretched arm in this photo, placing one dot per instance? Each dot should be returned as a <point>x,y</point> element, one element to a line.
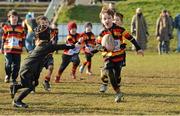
<point>138,48</point>
<point>134,42</point>
<point>62,47</point>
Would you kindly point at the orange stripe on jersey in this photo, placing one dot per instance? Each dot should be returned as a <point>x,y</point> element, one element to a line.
<point>17,36</point>
<point>19,29</point>
<point>106,32</point>
<point>7,28</point>
<point>13,38</point>
<point>118,59</point>
<point>16,47</point>
<point>127,35</point>
<point>111,54</point>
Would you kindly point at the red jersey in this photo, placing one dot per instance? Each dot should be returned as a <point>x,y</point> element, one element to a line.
<point>72,40</point>
<point>119,34</point>
<point>89,41</point>
<point>13,39</point>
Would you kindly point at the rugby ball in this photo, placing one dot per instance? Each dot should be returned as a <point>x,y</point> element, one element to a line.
<point>108,42</point>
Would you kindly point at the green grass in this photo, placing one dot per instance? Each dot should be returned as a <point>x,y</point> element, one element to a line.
<point>150,85</point>
<point>79,13</point>
<point>151,10</point>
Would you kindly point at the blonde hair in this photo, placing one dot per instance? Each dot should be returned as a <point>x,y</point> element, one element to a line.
<point>40,19</point>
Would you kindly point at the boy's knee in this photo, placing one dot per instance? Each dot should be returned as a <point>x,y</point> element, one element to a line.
<point>36,83</point>
<point>51,67</point>
<point>104,79</point>
<point>104,76</point>
<point>77,63</point>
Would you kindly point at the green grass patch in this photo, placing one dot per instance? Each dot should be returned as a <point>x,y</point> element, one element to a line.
<point>80,13</point>
<point>151,10</point>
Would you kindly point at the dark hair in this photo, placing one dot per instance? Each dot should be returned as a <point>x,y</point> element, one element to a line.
<point>42,32</point>
<point>88,24</point>
<point>164,11</point>
<point>119,15</point>
<point>12,12</point>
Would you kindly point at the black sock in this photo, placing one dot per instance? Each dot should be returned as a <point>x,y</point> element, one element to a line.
<point>18,86</point>
<point>23,94</point>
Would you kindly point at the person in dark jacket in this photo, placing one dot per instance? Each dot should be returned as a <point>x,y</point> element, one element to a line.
<point>33,64</point>
<point>177,26</point>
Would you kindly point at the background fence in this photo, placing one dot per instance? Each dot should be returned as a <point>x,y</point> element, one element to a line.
<point>63,31</point>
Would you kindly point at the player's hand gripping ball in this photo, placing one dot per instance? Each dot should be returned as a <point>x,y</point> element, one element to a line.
<point>108,42</point>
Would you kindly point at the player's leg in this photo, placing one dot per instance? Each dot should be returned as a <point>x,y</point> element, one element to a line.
<point>89,59</point>
<point>27,84</point>
<point>49,65</point>
<point>15,66</point>
<point>117,72</point>
<point>8,63</point>
<point>46,83</point>
<point>66,59</point>
<point>76,61</point>
<point>81,69</point>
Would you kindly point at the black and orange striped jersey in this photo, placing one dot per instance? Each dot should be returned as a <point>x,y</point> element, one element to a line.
<point>120,35</point>
<point>13,39</point>
<point>89,41</point>
<point>54,34</point>
<point>72,40</point>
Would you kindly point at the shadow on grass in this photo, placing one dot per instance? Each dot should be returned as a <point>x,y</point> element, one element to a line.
<point>129,84</point>
<point>4,91</point>
<point>78,93</point>
<point>66,109</point>
<point>173,112</point>
<point>151,76</point>
<point>80,82</point>
<point>151,95</point>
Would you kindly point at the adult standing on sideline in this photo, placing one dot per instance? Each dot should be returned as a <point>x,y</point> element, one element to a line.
<point>177,26</point>
<point>163,32</point>
<point>139,29</point>
<point>171,23</point>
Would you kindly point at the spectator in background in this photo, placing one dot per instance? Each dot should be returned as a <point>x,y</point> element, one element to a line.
<point>92,1</point>
<point>163,32</point>
<point>177,26</point>
<point>171,23</point>
<point>139,29</point>
<point>95,1</point>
